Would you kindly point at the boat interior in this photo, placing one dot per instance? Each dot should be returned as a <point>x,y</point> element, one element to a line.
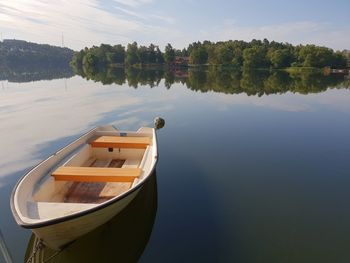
<point>104,168</point>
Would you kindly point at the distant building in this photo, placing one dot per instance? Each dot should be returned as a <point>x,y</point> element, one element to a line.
<point>181,61</point>
<point>328,70</point>
<point>339,71</point>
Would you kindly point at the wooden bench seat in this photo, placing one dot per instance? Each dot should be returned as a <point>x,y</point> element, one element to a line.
<point>96,174</point>
<point>121,142</point>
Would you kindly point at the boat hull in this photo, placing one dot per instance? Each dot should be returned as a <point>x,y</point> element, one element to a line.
<point>58,235</point>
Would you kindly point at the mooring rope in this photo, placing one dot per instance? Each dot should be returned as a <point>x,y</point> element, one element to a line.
<point>52,256</point>
<point>37,248</point>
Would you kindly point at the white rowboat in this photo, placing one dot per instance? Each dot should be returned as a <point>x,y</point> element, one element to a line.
<point>85,184</point>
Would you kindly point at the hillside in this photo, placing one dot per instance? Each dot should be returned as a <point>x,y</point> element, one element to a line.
<point>19,53</point>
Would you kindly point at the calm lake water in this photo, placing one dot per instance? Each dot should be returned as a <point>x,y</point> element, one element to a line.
<point>253,167</point>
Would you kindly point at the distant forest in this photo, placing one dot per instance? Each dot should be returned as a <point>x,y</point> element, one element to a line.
<point>233,53</point>
<point>16,54</point>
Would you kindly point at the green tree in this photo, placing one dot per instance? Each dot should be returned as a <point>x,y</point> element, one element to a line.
<point>281,58</point>
<point>184,52</point>
<point>159,56</point>
<point>313,56</point>
<point>224,54</point>
<point>77,59</point>
<point>116,55</point>
<point>255,57</point>
<point>132,57</point>
<point>143,54</point>
<point>152,58</point>
<point>90,60</point>
<point>346,55</point>
<point>339,60</point>
<point>169,55</point>
<point>199,55</point>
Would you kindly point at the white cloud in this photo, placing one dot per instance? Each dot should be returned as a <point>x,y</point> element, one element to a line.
<point>82,22</point>
<point>149,17</point>
<point>166,19</point>
<point>129,12</point>
<point>133,3</point>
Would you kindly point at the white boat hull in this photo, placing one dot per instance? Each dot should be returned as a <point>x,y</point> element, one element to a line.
<point>57,235</point>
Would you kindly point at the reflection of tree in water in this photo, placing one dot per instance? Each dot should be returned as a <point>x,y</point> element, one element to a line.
<point>278,82</point>
<point>27,73</point>
<point>252,83</point>
<point>143,77</point>
<point>221,80</point>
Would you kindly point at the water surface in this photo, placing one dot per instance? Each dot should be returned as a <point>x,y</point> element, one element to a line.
<point>253,167</point>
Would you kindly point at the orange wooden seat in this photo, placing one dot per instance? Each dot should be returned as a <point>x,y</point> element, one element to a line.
<point>121,142</point>
<point>96,174</point>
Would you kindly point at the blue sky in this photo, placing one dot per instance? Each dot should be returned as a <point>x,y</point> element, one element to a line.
<point>91,22</point>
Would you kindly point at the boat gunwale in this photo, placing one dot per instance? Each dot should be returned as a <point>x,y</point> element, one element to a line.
<point>84,212</point>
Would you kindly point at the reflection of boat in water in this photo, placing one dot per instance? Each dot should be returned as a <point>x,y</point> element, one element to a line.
<point>85,184</point>
<point>122,239</point>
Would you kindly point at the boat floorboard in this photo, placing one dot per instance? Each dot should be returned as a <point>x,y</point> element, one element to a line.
<point>96,192</point>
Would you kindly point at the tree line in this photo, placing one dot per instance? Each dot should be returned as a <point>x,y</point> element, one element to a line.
<point>233,53</point>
